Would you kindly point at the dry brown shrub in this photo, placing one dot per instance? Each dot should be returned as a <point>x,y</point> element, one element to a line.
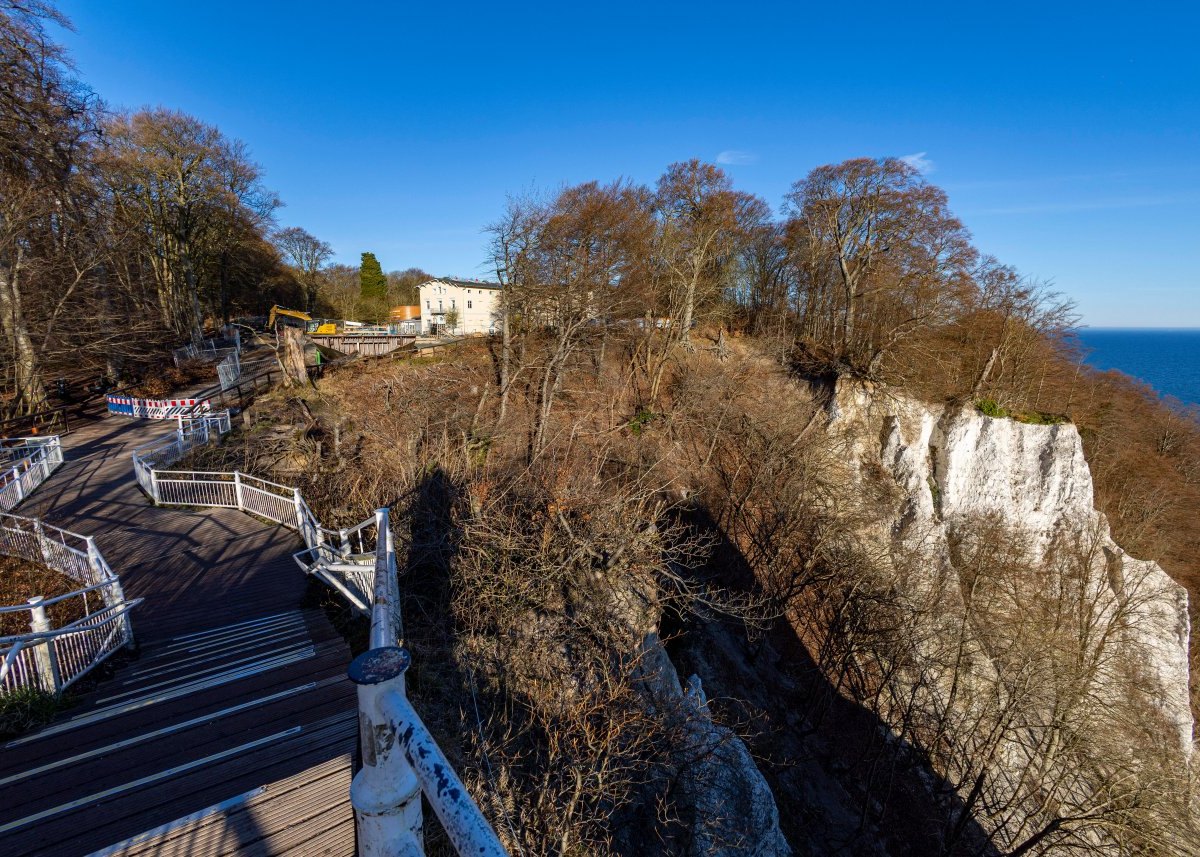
<point>20,580</point>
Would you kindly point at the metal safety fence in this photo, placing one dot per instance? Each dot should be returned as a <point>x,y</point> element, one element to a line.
<point>52,659</point>
<point>402,760</point>
<point>26,463</point>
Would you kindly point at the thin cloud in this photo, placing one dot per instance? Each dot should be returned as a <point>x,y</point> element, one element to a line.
<point>919,162</point>
<point>736,157</point>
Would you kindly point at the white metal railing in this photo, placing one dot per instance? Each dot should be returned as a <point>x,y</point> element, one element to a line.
<point>334,556</point>
<point>193,431</point>
<point>51,659</point>
<point>214,421</point>
<point>229,370</point>
<point>401,758</point>
<point>27,462</point>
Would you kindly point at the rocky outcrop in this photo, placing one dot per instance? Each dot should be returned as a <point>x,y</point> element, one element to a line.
<point>955,466</point>
<point>732,810</point>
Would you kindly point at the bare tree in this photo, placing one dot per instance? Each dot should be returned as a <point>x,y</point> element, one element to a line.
<point>307,254</point>
<point>46,126</point>
<point>875,247</point>
<point>570,266</point>
<point>340,289</point>
<point>184,181</point>
<point>701,222</point>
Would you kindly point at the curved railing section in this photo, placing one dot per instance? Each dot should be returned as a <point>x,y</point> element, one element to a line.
<point>341,558</point>
<point>52,659</point>
<point>25,463</point>
<point>401,760</point>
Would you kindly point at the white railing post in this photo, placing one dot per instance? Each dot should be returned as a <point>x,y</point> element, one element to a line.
<point>116,594</point>
<point>16,476</point>
<point>44,653</point>
<point>385,793</point>
<point>99,572</point>
<point>301,524</point>
<point>237,488</point>
<point>154,485</point>
<point>43,542</point>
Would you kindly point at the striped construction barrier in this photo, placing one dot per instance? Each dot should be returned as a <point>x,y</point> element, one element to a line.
<point>154,409</point>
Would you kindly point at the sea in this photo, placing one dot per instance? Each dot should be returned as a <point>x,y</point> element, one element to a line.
<point>1168,359</point>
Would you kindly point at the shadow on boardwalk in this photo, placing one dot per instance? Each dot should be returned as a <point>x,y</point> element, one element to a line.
<point>233,728</point>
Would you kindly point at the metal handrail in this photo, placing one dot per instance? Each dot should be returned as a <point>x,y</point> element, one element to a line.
<point>461,818</point>
<point>385,606</point>
<point>46,602</point>
<point>32,461</point>
<point>401,758</point>
<point>113,611</point>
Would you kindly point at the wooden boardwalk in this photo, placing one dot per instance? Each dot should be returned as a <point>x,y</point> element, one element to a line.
<point>233,730</point>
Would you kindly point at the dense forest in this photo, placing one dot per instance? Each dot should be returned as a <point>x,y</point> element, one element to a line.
<point>643,454</point>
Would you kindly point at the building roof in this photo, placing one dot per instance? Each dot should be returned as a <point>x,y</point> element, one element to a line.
<point>464,283</point>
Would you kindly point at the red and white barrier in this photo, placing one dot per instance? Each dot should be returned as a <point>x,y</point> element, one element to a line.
<point>154,409</point>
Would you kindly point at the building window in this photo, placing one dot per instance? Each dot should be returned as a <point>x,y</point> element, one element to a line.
<point>439,306</point>
<point>468,304</point>
<point>427,306</point>
<point>451,303</point>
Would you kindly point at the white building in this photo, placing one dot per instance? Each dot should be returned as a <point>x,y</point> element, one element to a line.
<point>474,303</point>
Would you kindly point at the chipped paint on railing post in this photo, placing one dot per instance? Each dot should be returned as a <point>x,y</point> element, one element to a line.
<point>44,653</point>
<point>385,793</point>
<point>466,826</point>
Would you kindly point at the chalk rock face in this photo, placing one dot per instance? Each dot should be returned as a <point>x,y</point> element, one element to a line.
<point>733,810</point>
<point>956,466</point>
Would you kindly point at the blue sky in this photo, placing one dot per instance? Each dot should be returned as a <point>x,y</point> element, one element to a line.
<point>1067,135</point>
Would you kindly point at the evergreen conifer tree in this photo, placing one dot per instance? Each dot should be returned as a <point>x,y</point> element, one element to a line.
<point>372,282</point>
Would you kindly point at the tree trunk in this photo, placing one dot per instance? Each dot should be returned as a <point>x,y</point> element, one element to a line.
<point>225,286</point>
<point>850,286</point>
<point>195,323</point>
<point>983,376</point>
<point>505,365</point>
<point>689,311</point>
<point>292,360</point>
<point>27,376</point>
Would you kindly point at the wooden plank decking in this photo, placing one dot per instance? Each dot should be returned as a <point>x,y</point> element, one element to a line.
<point>233,730</point>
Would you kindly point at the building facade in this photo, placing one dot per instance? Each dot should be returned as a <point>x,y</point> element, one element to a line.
<point>459,307</point>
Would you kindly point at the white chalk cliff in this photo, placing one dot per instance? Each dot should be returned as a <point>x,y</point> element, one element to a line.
<point>955,466</point>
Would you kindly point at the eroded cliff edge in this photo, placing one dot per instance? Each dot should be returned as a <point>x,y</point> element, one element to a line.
<point>956,467</point>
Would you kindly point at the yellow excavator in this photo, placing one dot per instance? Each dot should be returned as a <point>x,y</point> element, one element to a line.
<point>290,317</point>
<point>324,326</point>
